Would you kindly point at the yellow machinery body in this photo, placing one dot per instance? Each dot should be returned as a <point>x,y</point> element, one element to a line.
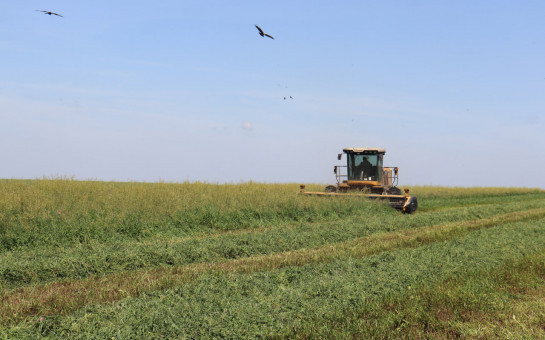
<point>365,176</point>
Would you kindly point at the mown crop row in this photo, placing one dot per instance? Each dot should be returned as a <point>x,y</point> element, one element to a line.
<point>47,264</point>
<point>72,265</point>
<point>294,299</point>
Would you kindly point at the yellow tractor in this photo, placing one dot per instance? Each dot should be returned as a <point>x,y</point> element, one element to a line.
<point>364,175</point>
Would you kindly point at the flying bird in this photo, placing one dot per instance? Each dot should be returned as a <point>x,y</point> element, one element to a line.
<point>263,34</point>
<point>50,13</point>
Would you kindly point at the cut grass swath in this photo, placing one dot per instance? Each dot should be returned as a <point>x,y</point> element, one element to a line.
<point>40,265</point>
<point>63,297</point>
<point>506,302</point>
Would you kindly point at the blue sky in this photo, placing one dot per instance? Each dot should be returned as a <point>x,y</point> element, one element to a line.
<point>188,90</point>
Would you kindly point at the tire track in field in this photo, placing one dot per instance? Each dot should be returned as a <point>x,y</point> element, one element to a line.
<point>64,297</point>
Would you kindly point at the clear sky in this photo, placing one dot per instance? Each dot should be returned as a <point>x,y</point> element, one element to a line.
<point>189,91</point>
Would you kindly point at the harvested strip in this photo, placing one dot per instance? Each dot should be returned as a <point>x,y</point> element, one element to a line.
<point>288,226</point>
<point>44,265</point>
<point>63,297</point>
<point>442,205</point>
<point>486,304</point>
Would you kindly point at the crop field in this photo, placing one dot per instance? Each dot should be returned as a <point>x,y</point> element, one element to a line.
<point>89,259</point>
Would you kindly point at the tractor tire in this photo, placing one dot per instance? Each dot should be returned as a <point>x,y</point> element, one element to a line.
<point>330,188</point>
<point>412,206</point>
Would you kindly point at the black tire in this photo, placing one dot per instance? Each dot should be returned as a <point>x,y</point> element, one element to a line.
<point>412,206</point>
<point>330,188</point>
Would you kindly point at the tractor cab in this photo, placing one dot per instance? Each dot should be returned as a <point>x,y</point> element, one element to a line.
<point>363,170</point>
<point>364,165</point>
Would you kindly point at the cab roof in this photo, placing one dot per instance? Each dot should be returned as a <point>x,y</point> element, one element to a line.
<point>364,150</point>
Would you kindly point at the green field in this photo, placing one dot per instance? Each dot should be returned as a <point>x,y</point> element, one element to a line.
<point>85,259</point>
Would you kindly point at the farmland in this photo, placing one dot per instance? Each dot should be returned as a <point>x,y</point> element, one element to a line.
<point>82,259</point>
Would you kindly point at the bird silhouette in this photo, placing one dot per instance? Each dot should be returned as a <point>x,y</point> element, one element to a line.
<point>263,34</point>
<point>48,12</point>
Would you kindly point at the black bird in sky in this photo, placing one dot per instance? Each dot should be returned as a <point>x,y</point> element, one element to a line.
<point>263,34</point>
<point>48,12</point>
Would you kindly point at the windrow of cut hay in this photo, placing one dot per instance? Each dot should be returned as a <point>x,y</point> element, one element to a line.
<point>61,298</point>
<point>84,256</point>
<point>29,266</point>
<point>332,298</point>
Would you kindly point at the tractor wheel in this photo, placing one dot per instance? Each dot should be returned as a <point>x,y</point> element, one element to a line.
<point>394,191</point>
<point>331,188</point>
<point>412,206</point>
